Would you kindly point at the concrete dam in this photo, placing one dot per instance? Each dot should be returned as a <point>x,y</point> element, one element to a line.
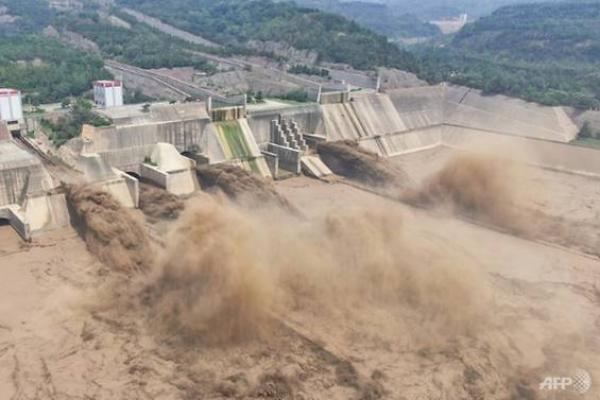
<point>164,142</point>
<point>390,124</point>
<point>410,120</point>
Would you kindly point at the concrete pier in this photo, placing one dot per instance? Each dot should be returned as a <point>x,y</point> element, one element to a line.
<point>29,198</point>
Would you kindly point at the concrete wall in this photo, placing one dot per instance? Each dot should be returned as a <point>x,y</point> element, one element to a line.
<point>289,159</point>
<point>334,97</point>
<point>273,162</point>
<point>123,190</point>
<point>313,166</point>
<point>182,182</point>
<point>13,185</point>
<point>47,211</point>
<point>404,142</point>
<point>127,146</point>
<point>17,221</point>
<point>179,182</point>
<point>28,192</point>
<point>17,182</point>
<point>470,108</point>
<point>133,188</point>
<point>228,113</point>
<point>341,122</point>
<point>309,118</point>
<point>377,114</point>
<point>560,156</point>
<point>248,154</point>
<point>154,175</point>
<point>366,115</point>
<point>419,107</point>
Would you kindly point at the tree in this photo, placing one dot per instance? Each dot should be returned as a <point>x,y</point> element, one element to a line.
<point>69,125</point>
<point>585,131</point>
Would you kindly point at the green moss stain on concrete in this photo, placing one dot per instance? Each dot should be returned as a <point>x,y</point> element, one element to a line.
<point>232,135</point>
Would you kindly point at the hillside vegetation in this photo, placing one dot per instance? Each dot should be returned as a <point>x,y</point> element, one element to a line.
<point>235,22</point>
<point>549,53</point>
<point>429,10</point>
<point>137,44</point>
<point>537,32</point>
<point>29,16</point>
<point>44,69</point>
<point>392,22</point>
<point>48,70</point>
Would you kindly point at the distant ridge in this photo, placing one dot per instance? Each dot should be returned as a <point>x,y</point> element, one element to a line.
<point>543,52</point>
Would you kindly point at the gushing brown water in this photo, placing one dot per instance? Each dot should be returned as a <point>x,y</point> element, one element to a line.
<point>157,203</point>
<point>110,231</point>
<point>211,282</point>
<point>225,272</point>
<point>348,159</point>
<point>475,185</point>
<point>241,185</point>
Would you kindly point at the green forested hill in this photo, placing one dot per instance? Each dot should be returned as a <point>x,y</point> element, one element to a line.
<point>48,70</point>
<point>137,44</point>
<point>536,32</point>
<point>44,69</point>
<point>393,22</point>
<point>429,10</point>
<point>234,22</point>
<point>30,16</point>
<point>545,52</point>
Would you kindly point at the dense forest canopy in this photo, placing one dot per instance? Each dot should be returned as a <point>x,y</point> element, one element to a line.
<point>44,69</point>
<point>234,22</point>
<point>230,22</point>
<point>30,16</point>
<point>47,71</point>
<point>137,44</point>
<point>545,52</point>
<point>537,32</point>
